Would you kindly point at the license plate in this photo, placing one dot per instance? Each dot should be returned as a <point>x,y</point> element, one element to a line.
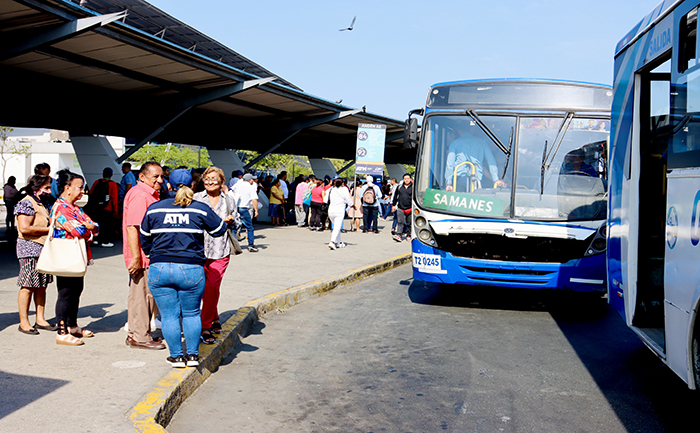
<point>428,263</point>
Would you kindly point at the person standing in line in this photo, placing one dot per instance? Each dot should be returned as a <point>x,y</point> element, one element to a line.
<point>172,235</point>
<point>247,192</point>
<point>140,304</point>
<point>402,204</point>
<point>236,175</point>
<point>370,194</point>
<point>32,230</point>
<point>337,197</point>
<point>284,185</point>
<point>71,222</point>
<point>217,250</point>
<point>128,181</point>
<point>45,169</point>
<point>316,202</point>
<point>355,213</point>
<point>299,192</point>
<point>393,185</point>
<point>104,207</point>
<point>276,210</point>
<point>9,193</point>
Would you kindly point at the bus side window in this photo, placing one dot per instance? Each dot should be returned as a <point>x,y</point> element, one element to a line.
<point>688,41</point>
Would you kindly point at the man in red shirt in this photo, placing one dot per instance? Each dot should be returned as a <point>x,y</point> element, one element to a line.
<point>140,304</point>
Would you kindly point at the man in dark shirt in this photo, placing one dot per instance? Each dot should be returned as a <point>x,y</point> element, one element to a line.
<point>402,203</point>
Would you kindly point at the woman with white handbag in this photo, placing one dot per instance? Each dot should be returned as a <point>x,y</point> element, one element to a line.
<point>70,222</point>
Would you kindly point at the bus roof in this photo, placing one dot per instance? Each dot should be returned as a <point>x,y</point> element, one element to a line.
<point>653,17</point>
<point>521,94</point>
<point>518,80</point>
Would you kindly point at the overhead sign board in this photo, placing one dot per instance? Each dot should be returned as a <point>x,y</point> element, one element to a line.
<point>369,154</point>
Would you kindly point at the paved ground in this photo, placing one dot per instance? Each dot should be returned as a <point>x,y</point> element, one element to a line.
<point>89,388</point>
<point>389,354</point>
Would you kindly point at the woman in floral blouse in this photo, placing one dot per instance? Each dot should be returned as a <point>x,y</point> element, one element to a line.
<point>217,251</point>
<point>71,222</point>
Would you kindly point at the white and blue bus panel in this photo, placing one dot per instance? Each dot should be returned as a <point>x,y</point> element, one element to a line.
<point>654,217</point>
<point>511,185</point>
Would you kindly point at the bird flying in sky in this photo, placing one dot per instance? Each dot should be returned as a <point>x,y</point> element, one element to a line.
<point>351,24</point>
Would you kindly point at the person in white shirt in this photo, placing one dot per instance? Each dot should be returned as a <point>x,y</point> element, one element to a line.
<point>236,175</point>
<point>246,193</point>
<point>337,198</point>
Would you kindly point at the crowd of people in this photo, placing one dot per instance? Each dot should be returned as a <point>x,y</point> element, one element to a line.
<point>178,230</point>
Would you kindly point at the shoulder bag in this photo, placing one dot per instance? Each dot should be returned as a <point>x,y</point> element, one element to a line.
<point>62,257</point>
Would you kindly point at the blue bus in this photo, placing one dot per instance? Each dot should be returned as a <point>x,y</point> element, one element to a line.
<point>511,184</point>
<point>654,218</point>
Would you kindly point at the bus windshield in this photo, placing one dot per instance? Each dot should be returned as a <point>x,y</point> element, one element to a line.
<point>526,167</point>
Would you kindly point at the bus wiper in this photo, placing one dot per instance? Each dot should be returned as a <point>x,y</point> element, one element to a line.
<point>510,148</point>
<point>475,117</point>
<point>544,159</point>
<point>558,139</point>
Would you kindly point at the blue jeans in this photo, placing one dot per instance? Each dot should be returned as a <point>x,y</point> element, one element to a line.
<point>247,221</point>
<point>369,217</point>
<point>177,289</point>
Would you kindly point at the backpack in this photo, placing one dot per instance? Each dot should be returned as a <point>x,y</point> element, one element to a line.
<point>100,195</point>
<point>369,197</point>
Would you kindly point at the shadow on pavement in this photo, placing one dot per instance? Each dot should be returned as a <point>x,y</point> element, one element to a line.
<point>645,394</point>
<point>19,391</point>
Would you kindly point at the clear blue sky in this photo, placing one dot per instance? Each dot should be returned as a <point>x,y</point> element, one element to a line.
<point>399,48</point>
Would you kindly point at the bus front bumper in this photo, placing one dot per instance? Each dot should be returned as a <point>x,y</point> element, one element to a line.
<point>586,274</point>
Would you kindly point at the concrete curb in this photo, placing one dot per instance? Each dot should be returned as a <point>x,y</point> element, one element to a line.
<point>158,406</point>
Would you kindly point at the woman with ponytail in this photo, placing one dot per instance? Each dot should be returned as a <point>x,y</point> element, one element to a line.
<point>172,235</point>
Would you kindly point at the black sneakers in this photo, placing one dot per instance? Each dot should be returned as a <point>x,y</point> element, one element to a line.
<point>177,362</point>
<point>192,360</point>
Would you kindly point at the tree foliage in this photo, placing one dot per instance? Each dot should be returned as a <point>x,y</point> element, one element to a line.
<point>10,148</point>
<point>171,155</point>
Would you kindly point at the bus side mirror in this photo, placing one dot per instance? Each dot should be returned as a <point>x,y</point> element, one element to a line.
<point>410,133</point>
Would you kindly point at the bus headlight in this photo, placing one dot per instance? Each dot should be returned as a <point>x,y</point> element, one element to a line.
<point>421,222</point>
<point>425,235</point>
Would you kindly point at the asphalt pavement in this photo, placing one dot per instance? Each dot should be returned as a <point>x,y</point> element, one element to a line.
<point>391,354</point>
<point>92,388</point>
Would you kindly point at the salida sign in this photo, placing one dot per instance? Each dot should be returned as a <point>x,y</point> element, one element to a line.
<point>463,203</point>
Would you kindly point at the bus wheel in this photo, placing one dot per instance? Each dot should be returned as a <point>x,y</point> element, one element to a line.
<point>695,357</point>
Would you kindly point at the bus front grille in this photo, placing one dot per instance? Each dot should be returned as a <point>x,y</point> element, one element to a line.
<point>496,247</point>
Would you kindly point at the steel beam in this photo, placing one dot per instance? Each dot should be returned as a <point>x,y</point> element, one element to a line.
<point>21,42</point>
<point>192,100</point>
<point>269,151</point>
<point>295,127</point>
<point>350,164</point>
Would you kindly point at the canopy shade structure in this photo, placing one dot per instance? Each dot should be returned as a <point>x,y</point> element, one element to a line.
<point>126,68</point>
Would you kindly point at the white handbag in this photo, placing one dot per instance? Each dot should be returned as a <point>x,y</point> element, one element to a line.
<point>62,257</point>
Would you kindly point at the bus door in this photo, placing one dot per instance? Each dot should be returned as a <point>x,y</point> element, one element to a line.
<point>654,133</point>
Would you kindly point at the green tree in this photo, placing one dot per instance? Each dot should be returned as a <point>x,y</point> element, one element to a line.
<point>172,155</point>
<point>10,148</point>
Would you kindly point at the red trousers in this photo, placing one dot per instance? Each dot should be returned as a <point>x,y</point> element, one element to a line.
<point>213,274</point>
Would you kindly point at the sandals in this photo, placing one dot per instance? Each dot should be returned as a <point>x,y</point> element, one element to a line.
<point>215,327</point>
<point>68,340</point>
<point>79,332</point>
<point>207,337</point>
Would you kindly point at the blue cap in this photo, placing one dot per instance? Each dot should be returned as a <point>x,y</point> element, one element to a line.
<point>180,176</point>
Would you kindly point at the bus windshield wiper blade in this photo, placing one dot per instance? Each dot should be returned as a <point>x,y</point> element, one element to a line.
<point>544,159</point>
<point>558,139</point>
<point>487,131</point>
<point>510,148</point>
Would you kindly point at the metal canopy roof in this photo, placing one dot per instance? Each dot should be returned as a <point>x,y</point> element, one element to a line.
<point>88,72</point>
